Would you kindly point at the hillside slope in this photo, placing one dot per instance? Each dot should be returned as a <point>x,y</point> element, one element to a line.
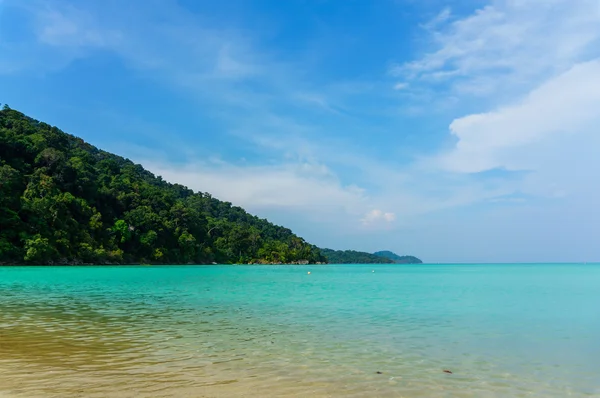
<point>353,257</point>
<point>356,257</point>
<point>398,259</point>
<point>63,201</point>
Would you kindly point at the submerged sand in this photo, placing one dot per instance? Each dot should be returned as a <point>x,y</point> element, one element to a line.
<point>278,332</point>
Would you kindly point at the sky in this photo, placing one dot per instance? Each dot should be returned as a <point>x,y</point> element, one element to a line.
<point>456,131</point>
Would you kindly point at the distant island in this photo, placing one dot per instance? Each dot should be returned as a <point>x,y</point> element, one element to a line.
<point>356,257</point>
<point>66,202</point>
<point>398,259</point>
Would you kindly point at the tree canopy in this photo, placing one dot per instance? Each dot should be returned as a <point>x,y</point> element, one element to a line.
<point>396,258</point>
<point>352,257</point>
<point>356,257</point>
<point>63,201</point>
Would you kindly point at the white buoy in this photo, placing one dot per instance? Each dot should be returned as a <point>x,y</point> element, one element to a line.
<point>308,272</point>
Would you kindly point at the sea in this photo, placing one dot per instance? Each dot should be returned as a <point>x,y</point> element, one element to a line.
<point>456,330</point>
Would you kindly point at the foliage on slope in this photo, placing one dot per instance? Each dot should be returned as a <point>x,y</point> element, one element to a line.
<point>356,257</point>
<point>353,257</point>
<point>398,259</point>
<point>64,201</point>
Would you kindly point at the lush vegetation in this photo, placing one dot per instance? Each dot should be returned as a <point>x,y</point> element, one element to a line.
<point>398,259</point>
<point>353,257</point>
<point>63,201</point>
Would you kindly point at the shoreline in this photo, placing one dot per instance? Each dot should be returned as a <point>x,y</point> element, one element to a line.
<point>151,265</point>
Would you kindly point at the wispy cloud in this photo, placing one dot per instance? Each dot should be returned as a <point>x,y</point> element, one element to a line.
<point>307,188</point>
<point>439,19</point>
<point>376,216</point>
<point>211,62</point>
<point>161,38</point>
<point>507,45</point>
<point>535,65</point>
<point>400,86</point>
<point>512,137</point>
<point>71,27</point>
<point>203,59</point>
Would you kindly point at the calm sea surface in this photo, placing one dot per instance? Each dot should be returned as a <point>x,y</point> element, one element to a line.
<point>276,331</point>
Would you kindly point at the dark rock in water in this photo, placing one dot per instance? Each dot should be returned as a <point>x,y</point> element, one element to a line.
<point>379,373</point>
<point>447,371</point>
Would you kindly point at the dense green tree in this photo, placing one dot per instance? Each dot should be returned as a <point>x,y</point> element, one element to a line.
<point>65,201</point>
<point>352,257</point>
<point>356,257</point>
<point>398,259</point>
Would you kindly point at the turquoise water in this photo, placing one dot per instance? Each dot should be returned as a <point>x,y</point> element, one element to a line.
<point>502,330</point>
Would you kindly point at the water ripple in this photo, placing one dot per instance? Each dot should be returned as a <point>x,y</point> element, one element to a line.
<point>268,332</point>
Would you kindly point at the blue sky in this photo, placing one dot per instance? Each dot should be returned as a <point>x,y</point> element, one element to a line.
<point>451,130</point>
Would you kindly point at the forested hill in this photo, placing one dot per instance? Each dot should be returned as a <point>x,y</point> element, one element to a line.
<point>398,259</point>
<point>353,257</point>
<point>356,257</point>
<point>63,201</point>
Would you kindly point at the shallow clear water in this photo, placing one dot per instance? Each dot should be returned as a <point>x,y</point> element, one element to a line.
<point>261,331</point>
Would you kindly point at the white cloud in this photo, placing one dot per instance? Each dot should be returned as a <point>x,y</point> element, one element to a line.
<point>70,27</point>
<point>440,18</point>
<point>376,215</point>
<point>514,137</point>
<point>535,67</point>
<point>163,38</point>
<point>400,86</point>
<point>508,44</point>
<point>310,189</point>
<point>229,66</point>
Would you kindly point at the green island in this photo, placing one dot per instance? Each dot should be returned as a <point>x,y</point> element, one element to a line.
<point>396,259</point>
<point>65,202</point>
<point>357,257</point>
